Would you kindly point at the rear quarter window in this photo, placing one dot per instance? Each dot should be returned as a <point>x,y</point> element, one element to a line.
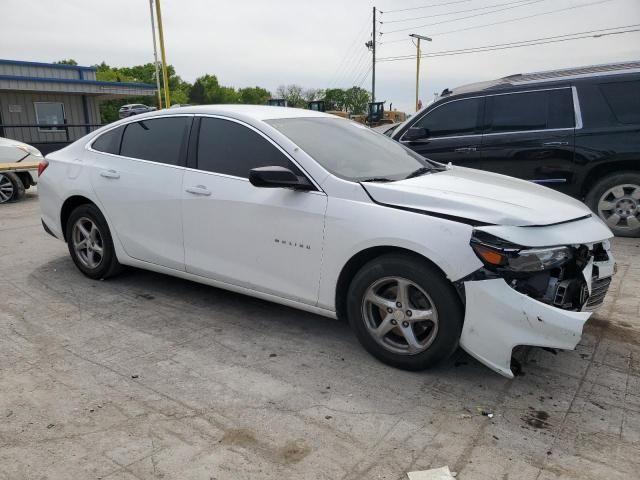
<point>109,142</point>
<point>623,99</point>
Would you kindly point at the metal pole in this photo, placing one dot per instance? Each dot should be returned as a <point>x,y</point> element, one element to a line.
<point>155,54</point>
<point>417,74</point>
<point>165,76</point>
<point>373,67</point>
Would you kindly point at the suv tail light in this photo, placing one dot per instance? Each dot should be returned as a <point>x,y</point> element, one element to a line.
<point>42,166</point>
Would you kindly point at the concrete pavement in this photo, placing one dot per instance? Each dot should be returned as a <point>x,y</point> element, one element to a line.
<point>150,377</point>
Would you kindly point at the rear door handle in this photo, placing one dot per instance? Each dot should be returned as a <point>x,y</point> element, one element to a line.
<point>555,144</point>
<point>465,149</point>
<point>198,190</point>
<point>109,174</point>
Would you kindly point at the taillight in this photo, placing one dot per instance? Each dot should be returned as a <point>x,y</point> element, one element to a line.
<point>42,166</point>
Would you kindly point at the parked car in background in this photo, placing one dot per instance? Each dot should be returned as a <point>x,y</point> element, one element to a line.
<point>13,184</point>
<point>323,214</point>
<point>134,109</point>
<point>575,130</point>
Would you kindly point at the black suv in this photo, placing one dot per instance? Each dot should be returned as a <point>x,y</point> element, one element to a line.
<point>577,131</point>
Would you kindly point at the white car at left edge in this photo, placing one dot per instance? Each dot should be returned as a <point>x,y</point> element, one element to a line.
<point>326,215</point>
<point>14,184</point>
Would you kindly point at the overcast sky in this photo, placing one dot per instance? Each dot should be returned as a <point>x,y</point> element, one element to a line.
<point>320,43</point>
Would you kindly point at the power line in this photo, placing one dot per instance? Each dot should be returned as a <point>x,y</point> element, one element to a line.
<point>464,18</point>
<point>573,7</point>
<point>524,43</point>
<point>505,21</point>
<point>349,53</point>
<point>453,13</point>
<point>424,6</point>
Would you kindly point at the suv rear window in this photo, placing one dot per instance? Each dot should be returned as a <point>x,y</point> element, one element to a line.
<point>516,112</point>
<point>624,100</point>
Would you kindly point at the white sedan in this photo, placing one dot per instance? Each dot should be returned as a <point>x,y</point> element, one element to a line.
<point>325,215</point>
<point>13,184</point>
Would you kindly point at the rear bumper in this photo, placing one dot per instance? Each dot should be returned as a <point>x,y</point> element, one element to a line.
<point>498,318</point>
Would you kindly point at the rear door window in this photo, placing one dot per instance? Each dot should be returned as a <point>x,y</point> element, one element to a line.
<point>624,100</point>
<point>161,140</point>
<point>233,149</point>
<point>459,117</point>
<point>519,112</point>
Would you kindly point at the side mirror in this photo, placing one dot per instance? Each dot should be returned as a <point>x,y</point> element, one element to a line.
<point>415,133</point>
<point>278,177</point>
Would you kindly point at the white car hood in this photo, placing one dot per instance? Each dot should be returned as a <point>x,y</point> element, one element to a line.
<point>479,196</point>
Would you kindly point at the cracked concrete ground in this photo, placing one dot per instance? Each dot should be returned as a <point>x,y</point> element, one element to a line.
<point>147,376</point>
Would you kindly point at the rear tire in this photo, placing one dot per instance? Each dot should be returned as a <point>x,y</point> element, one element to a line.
<point>90,243</point>
<point>616,200</point>
<point>405,312</point>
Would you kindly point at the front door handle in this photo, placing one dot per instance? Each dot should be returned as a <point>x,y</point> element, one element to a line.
<point>198,190</point>
<point>555,144</point>
<point>109,174</point>
<point>465,149</point>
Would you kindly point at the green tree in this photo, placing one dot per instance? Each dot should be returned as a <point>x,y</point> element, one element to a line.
<point>66,61</point>
<point>253,95</point>
<point>357,100</point>
<point>334,99</point>
<point>293,94</point>
<point>207,90</point>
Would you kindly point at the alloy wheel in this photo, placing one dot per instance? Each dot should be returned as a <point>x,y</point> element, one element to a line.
<point>87,242</point>
<point>619,207</point>
<point>7,188</point>
<point>400,315</point>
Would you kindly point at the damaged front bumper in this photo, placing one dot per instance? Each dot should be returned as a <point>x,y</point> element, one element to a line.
<point>498,318</point>
<point>542,309</point>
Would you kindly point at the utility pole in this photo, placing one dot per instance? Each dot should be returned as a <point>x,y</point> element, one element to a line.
<point>373,66</point>
<point>165,76</point>
<point>418,37</point>
<point>155,54</point>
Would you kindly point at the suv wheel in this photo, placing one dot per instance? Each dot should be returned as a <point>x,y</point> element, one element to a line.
<point>90,244</point>
<point>616,199</point>
<point>404,312</point>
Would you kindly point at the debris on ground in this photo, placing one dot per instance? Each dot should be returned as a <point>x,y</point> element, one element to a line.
<point>442,473</point>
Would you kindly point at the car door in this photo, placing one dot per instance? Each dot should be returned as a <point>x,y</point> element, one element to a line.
<point>137,176</point>
<point>266,239</point>
<point>530,135</point>
<point>453,132</point>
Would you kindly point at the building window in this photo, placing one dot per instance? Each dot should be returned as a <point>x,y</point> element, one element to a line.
<point>49,114</point>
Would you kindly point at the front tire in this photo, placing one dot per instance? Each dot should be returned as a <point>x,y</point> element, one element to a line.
<point>90,243</point>
<point>405,312</point>
<point>11,187</point>
<point>616,200</point>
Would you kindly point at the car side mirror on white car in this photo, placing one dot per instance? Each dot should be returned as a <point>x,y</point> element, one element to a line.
<point>278,177</point>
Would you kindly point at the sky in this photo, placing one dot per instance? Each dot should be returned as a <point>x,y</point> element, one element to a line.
<point>320,44</point>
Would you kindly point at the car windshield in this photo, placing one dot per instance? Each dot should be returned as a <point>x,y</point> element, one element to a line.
<point>353,151</point>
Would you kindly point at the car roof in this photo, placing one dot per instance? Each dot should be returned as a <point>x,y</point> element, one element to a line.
<point>548,76</point>
<point>255,112</point>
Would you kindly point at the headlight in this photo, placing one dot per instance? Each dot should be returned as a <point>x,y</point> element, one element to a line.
<point>499,254</point>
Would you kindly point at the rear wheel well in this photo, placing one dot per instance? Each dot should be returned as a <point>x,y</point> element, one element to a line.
<point>69,205</point>
<point>599,172</point>
<point>356,262</point>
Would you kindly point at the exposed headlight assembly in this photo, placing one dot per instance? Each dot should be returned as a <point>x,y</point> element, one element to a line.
<point>496,253</point>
